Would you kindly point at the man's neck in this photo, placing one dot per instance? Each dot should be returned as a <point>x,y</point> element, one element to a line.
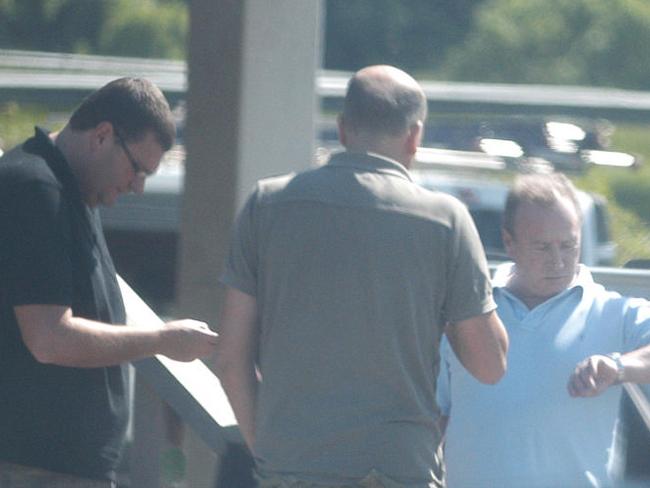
<point>530,300</point>
<point>65,141</point>
<point>386,146</point>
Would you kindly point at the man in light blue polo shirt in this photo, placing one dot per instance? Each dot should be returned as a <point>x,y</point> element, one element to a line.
<point>549,422</point>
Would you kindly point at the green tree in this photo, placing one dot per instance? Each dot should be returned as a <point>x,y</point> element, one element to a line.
<point>412,34</point>
<point>52,25</point>
<point>148,28</point>
<point>590,42</point>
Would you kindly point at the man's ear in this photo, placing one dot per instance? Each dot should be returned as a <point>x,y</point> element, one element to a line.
<point>101,134</point>
<point>414,137</point>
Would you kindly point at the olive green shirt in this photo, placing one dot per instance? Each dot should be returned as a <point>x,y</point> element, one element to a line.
<point>355,269</point>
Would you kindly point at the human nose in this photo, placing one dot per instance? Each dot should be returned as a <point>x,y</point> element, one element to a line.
<point>555,257</point>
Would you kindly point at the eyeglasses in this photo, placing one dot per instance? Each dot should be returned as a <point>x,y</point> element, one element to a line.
<point>139,170</point>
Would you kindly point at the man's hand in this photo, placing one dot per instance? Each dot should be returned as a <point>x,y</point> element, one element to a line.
<point>187,339</point>
<point>592,376</point>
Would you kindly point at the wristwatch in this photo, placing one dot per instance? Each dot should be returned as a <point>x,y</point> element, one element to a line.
<point>620,369</point>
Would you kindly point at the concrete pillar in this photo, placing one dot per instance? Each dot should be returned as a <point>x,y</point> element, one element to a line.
<point>251,107</point>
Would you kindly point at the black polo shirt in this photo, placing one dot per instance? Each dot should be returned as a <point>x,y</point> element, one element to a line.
<point>52,251</point>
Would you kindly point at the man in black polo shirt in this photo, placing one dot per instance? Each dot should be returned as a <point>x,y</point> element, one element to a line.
<point>63,382</point>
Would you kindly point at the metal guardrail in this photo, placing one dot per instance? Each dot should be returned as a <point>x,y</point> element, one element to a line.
<point>626,281</point>
<point>35,70</point>
<point>41,70</point>
<point>640,402</point>
<point>196,393</point>
<point>191,389</point>
<point>39,60</point>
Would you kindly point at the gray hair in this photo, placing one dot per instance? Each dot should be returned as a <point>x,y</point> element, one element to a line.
<point>540,189</point>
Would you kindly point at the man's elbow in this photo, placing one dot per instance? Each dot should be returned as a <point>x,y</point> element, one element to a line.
<point>492,374</point>
<point>42,355</point>
<point>45,351</point>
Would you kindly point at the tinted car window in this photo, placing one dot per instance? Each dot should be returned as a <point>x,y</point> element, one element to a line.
<point>488,224</point>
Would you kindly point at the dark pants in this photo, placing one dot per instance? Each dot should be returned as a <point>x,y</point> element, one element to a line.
<point>636,442</point>
<point>236,468</point>
<point>17,476</point>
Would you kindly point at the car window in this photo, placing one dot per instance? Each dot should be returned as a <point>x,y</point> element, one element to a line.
<point>488,224</point>
<point>603,233</point>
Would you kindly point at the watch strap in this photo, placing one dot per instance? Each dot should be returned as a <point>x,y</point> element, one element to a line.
<point>620,369</point>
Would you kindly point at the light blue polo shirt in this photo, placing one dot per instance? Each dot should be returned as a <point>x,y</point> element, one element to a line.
<point>527,431</point>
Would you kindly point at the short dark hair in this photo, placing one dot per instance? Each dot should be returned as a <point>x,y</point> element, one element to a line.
<point>383,107</point>
<point>539,189</point>
<point>134,106</point>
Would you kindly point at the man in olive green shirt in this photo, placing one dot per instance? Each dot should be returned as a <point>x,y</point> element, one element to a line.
<point>340,283</point>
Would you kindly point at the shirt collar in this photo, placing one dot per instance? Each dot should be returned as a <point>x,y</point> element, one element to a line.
<point>583,281</point>
<point>41,145</point>
<point>371,162</point>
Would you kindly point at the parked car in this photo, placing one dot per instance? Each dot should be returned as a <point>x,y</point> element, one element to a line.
<point>566,145</point>
<point>485,198</point>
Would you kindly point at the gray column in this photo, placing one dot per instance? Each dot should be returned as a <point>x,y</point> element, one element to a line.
<point>251,107</point>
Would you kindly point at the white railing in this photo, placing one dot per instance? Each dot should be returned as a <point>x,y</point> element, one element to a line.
<point>190,388</point>
<point>36,69</point>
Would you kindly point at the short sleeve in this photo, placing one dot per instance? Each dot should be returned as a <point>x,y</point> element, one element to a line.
<point>443,385</point>
<point>469,291</point>
<point>35,264</point>
<point>241,264</point>
<point>637,324</point>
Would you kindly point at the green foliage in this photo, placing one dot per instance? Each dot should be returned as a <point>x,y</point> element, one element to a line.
<point>147,28</point>
<point>589,42</point>
<point>633,193</point>
<point>17,123</point>
<point>413,35</point>
<point>631,234</point>
<point>632,189</point>
<point>628,194</point>
<point>150,29</point>
<point>53,25</point>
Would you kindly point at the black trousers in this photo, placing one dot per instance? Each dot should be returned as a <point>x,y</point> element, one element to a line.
<point>236,468</point>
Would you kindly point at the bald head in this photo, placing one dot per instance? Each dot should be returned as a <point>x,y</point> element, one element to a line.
<point>383,101</point>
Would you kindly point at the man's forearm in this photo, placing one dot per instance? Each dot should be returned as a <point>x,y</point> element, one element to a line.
<point>54,336</point>
<point>240,385</point>
<point>85,343</point>
<point>481,345</point>
<point>235,360</point>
